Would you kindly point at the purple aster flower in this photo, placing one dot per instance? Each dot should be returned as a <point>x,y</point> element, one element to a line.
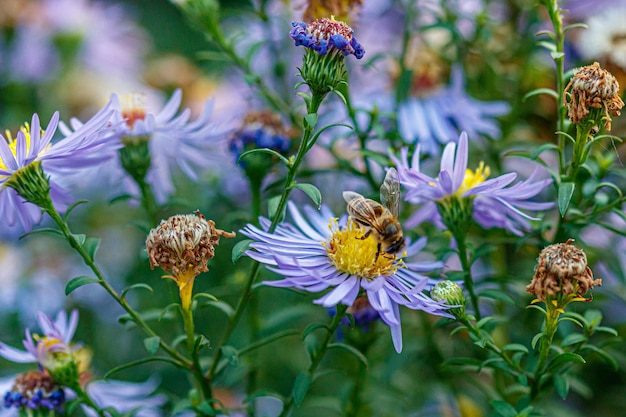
<point>125,397</point>
<point>56,338</point>
<point>319,252</point>
<point>326,35</point>
<point>492,202</point>
<point>439,118</point>
<point>172,139</point>
<point>87,146</point>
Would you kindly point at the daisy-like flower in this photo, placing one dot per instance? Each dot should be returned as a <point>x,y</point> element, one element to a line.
<point>319,252</point>
<point>56,337</point>
<point>124,396</point>
<point>439,117</point>
<point>29,158</point>
<point>490,202</point>
<point>153,143</point>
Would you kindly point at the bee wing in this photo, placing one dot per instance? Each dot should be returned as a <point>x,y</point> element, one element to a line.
<point>362,209</point>
<point>390,192</point>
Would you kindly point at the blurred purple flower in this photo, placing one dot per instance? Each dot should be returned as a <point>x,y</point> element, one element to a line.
<point>87,146</point>
<point>439,118</point>
<point>312,255</point>
<point>95,34</point>
<point>173,141</point>
<point>494,204</point>
<point>56,337</point>
<point>126,396</point>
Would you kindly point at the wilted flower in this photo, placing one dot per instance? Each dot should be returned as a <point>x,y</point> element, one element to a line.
<point>320,252</point>
<point>182,245</point>
<point>458,194</point>
<point>340,9</point>
<point>562,274</point>
<point>30,165</point>
<point>35,391</point>
<point>593,94</point>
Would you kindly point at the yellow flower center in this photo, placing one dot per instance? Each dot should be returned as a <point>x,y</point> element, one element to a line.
<point>474,178</point>
<point>352,254</point>
<point>13,143</point>
<point>133,108</point>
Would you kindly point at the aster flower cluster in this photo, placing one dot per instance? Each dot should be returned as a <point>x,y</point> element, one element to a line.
<point>327,36</point>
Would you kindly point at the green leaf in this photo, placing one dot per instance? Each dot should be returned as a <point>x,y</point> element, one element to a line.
<point>79,282</point>
<point>223,306</point>
<point>72,207</point>
<point>142,361</point>
<point>240,248</point>
<point>536,339</point>
<point>606,329</point>
<point>310,120</point>
<point>301,387</point>
<point>573,338</point>
<point>483,321</point>
<point>79,237</point>
<point>312,191</point>
<point>515,347</point>
<point>574,26</point>
<point>539,91</point>
<point>272,207</point>
<point>152,344</point>
<point>231,355</point>
<point>556,55</point>
<point>604,355</point>
<point>201,343</point>
<point>135,287</point>
<point>312,327</point>
<point>563,359</point>
<point>351,350</point>
<point>561,385</point>
<point>44,230</point>
<point>272,152</point>
<point>497,295</point>
<point>503,408</point>
<point>319,132</point>
<point>91,246</point>
<point>267,340</point>
<point>462,362</point>
<point>566,190</point>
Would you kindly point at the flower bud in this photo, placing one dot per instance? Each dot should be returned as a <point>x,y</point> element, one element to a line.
<point>451,293</point>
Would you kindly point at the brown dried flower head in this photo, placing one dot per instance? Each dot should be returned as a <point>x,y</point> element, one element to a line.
<point>562,269</point>
<point>183,244</point>
<point>592,87</point>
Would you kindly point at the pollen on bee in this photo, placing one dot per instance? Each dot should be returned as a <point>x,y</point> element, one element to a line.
<point>349,252</point>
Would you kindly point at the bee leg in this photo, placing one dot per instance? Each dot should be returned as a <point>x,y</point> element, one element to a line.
<point>377,252</point>
<point>366,235</point>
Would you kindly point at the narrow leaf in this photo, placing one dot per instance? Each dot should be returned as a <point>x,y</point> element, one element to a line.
<point>497,295</point>
<point>566,190</point>
<point>536,339</point>
<point>223,307</point>
<point>231,355</point>
<point>272,152</point>
<point>72,207</point>
<point>310,120</point>
<point>91,246</point>
<point>564,358</point>
<point>312,327</point>
<point>142,361</point>
<point>240,248</point>
<point>272,207</point>
<point>312,191</point>
<point>135,287</point>
<point>538,91</point>
<point>351,350</point>
<point>152,344</point>
<point>504,409</point>
<point>301,387</point>
<point>515,347</point>
<point>79,282</point>
<point>561,385</point>
<point>573,338</point>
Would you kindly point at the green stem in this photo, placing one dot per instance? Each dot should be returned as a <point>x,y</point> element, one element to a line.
<point>202,384</point>
<point>319,355</point>
<point>305,145</point>
<point>148,201</point>
<point>49,208</point>
<point>578,153</point>
<point>551,324</point>
<point>82,394</point>
<point>467,272</point>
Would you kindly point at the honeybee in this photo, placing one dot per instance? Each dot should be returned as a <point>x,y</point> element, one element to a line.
<point>380,220</point>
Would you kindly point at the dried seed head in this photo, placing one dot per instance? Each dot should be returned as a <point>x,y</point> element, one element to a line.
<point>183,244</point>
<point>562,268</point>
<point>35,390</point>
<point>592,87</point>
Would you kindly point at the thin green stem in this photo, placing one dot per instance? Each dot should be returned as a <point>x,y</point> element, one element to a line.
<point>305,145</point>
<point>182,361</point>
<point>468,281</point>
<point>148,201</point>
<point>86,399</point>
<point>319,355</point>
<point>202,384</point>
<point>550,328</point>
